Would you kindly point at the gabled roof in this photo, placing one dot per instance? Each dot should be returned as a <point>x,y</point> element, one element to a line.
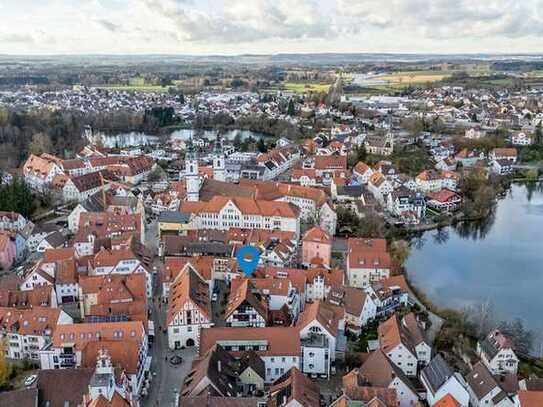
<point>241,292</point>
<point>39,296</point>
<point>328,162</point>
<point>81,334</point>
<point>20,398</point>
<point>355,389</point>
<point>392,332</point>
<point>280,341</point>
<point>174,266</point>
<point>494,342</point>
<point>481,381</point>
<point>247,206</point>
<point>350,298</point>
<point>218,367</point>
<point>530,398</point>
<point>250,360</point>
<point>189,288</point>
<point>294,385</point>
<point>116,294</point>
<point>437,373</point>
<point>317,234</point>
<point>327,315</point>
<point>447,401</point>
<point>368,253</point>
<point>39,321</point>
<point>124,355</point>
<point>378,370</point>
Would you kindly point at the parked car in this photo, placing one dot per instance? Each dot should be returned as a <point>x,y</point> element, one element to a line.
<point>29,381</point>
<point>176,360</point>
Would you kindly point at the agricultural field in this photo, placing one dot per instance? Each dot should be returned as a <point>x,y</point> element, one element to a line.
<point>136,84</point>
<point>535,74</point>
<point>413,77</point>
<point>300,87</point>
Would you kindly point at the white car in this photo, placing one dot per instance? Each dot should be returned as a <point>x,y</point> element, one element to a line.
<point>29,381</point>
<point>214,297</point>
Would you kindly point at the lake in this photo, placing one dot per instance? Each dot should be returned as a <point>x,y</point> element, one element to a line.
<point>499,260</point>
<point>230,135</point>
<point>133,139</point>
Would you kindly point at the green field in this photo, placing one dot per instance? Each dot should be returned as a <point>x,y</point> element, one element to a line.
<point>135,84</point>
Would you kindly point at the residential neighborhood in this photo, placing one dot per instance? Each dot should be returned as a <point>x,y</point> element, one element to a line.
<point>123,275</point>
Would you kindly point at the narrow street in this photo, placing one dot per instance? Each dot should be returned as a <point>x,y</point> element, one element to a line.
<point>166,377</point>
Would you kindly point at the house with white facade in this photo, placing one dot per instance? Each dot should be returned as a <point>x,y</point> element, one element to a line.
<point>404,343</point>
<point>521,138</point>
<point>485,390</point>
<point>379,371</point>
<point>27,331</point>
<point>120,261</point>
<point>324,324</point>
<point>439,380</point>
<point>78,345</point>
<point>367,261</point>
<point>497,353</point>
<point>379,186</point>
<point>39,172</point>
<point>223,213</point>
<point>245,307</point>
<point>78,189</point>
<point>278,347</point>
<point>362,172</point>
<point>358,305</point>
<point>189,310</point>
<point>319,282</point>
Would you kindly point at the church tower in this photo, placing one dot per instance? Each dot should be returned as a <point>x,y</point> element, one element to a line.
<point>219,161</point>
<point>192,178</point>
<point>102,382</point>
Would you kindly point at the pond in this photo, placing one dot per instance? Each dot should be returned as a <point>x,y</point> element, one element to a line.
<point>499,260</point>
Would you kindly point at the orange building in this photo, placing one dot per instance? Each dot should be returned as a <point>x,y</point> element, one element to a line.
<point>316,247</point>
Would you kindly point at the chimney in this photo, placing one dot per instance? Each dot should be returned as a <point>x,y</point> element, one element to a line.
<point>219,366</point>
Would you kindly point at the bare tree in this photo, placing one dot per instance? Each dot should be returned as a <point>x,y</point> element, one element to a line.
<point>522,338</point>
<point>41,143</point>
<point>483,317</point>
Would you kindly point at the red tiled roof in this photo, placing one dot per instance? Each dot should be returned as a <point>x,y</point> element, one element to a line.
<point>281,341</point>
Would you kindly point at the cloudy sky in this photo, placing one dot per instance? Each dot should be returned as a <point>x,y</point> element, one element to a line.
<point>269,26</point>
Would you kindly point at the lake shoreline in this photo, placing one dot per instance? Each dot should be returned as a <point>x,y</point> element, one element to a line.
<point>478,259</point>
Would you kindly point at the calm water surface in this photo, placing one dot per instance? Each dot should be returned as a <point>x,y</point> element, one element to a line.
<point>500,260</point>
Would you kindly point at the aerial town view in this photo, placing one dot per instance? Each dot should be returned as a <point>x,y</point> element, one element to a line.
<point>271,203</point>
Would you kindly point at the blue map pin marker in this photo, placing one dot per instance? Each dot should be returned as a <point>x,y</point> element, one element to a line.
<point>248,257</point>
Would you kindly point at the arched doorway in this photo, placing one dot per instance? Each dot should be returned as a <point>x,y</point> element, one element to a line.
<point>190,342</point>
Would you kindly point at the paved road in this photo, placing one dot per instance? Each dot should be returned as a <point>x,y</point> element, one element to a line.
<point>167,379</point>
<point>151,235</point>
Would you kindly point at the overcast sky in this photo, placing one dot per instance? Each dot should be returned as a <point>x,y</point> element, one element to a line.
<point>269,26</point>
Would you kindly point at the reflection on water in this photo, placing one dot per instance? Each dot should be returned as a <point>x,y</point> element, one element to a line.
<point>497,259</point>
<point>211,135</point>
